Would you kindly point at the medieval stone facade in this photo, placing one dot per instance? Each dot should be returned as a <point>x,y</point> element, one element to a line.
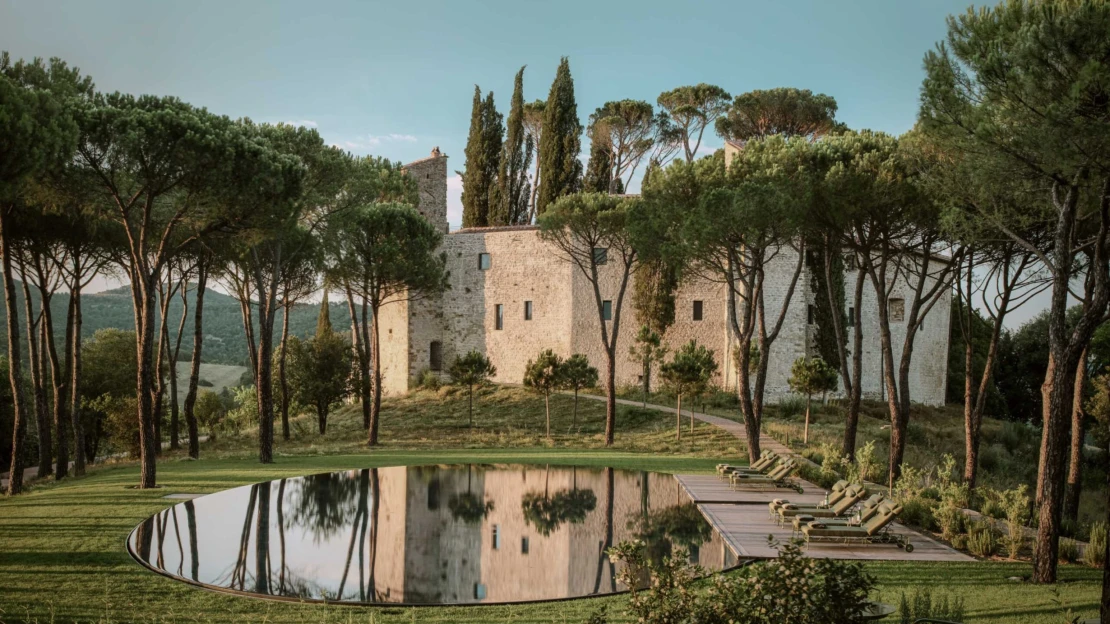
<point>512,296</point>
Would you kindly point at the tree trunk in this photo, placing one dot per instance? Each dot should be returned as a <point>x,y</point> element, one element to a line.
<point>692,418</point>
<point>376,381</point>
<point>322,418</point>
<point>264,384</point>
<point>175,421</point>
<point>15,364</point>
<point>74,349</point>
<point>143,289</point>
<point>1056,395</point>
<point>547,409</point>
<point>574,414</point>
<point>194,362</point>
<point>1078,433</point>
<point>1104,606</point>
<point>281,372</point>
<point>805,432</point>
<point>610,393</point>
<point>470,405</point>
<point>647,381</point>
<point>58,382</point>
<point>360,345</point>
<point>39,397</point>
<point>678,418</point>
<point>855,393</point>
<point>161,353</point>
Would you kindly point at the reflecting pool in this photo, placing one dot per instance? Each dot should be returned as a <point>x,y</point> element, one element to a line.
<point>460,534</point>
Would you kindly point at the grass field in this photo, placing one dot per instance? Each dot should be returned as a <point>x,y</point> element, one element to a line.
<point>62,555</point>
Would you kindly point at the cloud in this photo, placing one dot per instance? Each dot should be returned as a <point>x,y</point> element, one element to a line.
<point>307,123</point>
<point>370,141</point>
<point>454,201</point>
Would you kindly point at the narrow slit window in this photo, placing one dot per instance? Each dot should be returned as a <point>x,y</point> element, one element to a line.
<point>499,316</point>
<point>851,316</point>
<point>698,310</point>
<point>811,314</point>
<point>497,537</point>
<point>601,255</point>
<point>607,310</point>
<point>527,310</point>
<point>483,262</point>
<point>435,356</point>
<point>524,545</point>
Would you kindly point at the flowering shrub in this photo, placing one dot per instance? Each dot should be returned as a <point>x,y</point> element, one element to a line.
<point>791,588</point>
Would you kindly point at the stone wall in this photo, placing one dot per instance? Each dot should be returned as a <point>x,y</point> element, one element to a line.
<point>565,316</point>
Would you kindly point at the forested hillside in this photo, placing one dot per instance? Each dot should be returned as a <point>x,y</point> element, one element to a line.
<point>224,341</point>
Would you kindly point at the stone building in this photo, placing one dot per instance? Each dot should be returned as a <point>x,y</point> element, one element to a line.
<point>511,296</point>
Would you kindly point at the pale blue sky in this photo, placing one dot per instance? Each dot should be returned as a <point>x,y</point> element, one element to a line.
<point>395,79</point>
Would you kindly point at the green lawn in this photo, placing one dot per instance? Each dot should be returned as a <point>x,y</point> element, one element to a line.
<point>62,555</point>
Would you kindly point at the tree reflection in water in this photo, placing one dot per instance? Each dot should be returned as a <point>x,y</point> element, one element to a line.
<point>324,504</point>
<point>547,512</point>
<point>333,524</point>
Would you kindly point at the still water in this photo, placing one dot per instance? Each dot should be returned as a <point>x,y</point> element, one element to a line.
<point>461,534</point>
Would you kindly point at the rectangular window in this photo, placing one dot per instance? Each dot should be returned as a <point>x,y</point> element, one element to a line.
<point>499,316</point>
<point>524,545</point>
<point>527,310</point>
<point>811,314</point>
<point>435,356</point>
<point>851,316</point>
<point>479,591</point>
<point>607,310</point>
<point>850,262</point>
<point>483,262</point>
<point>601,255</point>
<point>697,310</point>
<point>497,537</point>
<point>896,310</point>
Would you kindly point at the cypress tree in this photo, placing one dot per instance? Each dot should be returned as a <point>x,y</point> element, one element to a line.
<point>560,141</point>
<point>323,321</point>
<point>516,156</point>
<point>599,169</point>
<point>483,151</point>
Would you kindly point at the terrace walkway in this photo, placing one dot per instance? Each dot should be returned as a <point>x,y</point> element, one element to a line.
<point>741,517</point>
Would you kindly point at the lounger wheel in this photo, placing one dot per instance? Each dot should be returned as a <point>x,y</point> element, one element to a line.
<point>800,490</point>
<point>909,548</point>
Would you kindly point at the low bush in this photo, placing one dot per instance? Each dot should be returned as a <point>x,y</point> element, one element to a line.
<point>1095,553</point>
<point>982,539</point>
<point>1069,550</point>
<point>922,606</point>
<point>792,405</point>
<point>427,379</point>
<point>791,588</point>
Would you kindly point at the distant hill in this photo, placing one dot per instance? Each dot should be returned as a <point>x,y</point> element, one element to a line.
<point>224,343</point>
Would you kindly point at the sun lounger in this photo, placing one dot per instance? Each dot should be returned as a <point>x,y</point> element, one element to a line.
<point>777,478</point>
<point>853,494</point>
<point>867,510</point>
<point>874,531</point>
<point>764,464</point>
<point>831,498</point>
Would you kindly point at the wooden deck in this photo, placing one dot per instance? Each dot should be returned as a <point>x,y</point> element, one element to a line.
<point>741,517</point>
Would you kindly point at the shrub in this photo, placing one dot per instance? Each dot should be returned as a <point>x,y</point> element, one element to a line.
<point>204,383</point>
<point>918,512</point>
<point>1069,550</point>
<point>865,465</point>
<point>427,379</point>
<point>791,588</point>
<point>982,539</point>
<point>922,606</point>
<point>1095,553</point>
<point>792,405</point>
<point>1015,506</point>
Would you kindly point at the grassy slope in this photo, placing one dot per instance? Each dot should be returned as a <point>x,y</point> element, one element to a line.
<point>62,556</point>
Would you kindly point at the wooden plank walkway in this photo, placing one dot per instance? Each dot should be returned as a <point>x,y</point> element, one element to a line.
<point>745,529</point>
<point>713,489</point>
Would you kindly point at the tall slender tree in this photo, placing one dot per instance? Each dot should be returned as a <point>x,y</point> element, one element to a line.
<point>513,189</point>
<point>37,133</point>
<point>483,155</point>
<point>560,143</point>
<point>533,125</point>
<point>386,252</point>
<point>590,231</point>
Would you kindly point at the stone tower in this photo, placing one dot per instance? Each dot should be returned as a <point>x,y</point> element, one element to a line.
<point>431,180</point>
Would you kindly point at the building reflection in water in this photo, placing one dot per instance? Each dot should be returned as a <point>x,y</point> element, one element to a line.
<point>427,534</point>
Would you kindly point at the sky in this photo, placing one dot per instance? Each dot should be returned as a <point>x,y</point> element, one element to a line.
<point>396,79</point>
